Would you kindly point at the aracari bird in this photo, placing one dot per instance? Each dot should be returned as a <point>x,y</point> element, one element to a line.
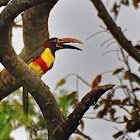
<point>42,60</point>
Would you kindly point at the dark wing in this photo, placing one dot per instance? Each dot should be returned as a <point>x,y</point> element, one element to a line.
<point>34,55</point>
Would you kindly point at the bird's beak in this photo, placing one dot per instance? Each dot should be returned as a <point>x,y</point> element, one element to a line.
<point>61,43</point>
<point>69,40</point>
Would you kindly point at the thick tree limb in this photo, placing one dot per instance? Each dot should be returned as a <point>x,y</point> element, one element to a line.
<point>8,84</point>
<point>26,77</point>
<point>35,26</point>
<point>12,10</point>
<point>35,30</point>
<point>3,2</point>
<point>36,87</point>
<point>116,31</point>
<point>90,99</point>
<point>23,74</point>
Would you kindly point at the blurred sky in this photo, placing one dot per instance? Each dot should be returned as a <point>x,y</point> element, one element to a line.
<point>78,19</point>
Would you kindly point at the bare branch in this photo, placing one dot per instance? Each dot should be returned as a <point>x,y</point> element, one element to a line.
<point>116,31</point>
<point>23,74</point>
<point>82,134</point>
<point>35,32</point>
<point>73,120</point>
<point>3,2</point>
<point>8,84</point>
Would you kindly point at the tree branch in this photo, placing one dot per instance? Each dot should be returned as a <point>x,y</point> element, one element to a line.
<point>35,26</point>
<point>116,31</point>
<point>3,2</point>
<point>23,74</point>
<point>8,84</point>
<point>90,99</point>
<point>35,30</point>
<point>82,134</point>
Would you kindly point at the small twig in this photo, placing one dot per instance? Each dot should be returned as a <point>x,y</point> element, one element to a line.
<point>119,57</point>
<point>110,52</point>
<point>110,44</point>
<point>82,134</point>
<point>77,87</point>
<point>119,122</point>
<point>17,21</point>
<point>18,26</point>
<point>97,34</point>
<point>107,2</point>
<point>127,64</point>
<point>121,106</point>
<point>79,77</point>
<point>106,42</point>
<point>120,79</point>
<point>124,58</point>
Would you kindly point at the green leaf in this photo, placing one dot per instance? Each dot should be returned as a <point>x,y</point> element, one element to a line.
<point>16,105</point>
<point>5,106</point>
<point>132,77</point>
<point>14,114</point>
<point>63,104</point>
<point>5,132</point>
<point>41,122</point>
<point>29,122</point>
<point>31,108</point>
<point>2,119</point>
<point>72,98</point>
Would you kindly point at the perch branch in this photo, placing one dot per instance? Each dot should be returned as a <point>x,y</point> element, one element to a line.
<point>22,73</point>
<point>35,30</point>
<point>88,100</point>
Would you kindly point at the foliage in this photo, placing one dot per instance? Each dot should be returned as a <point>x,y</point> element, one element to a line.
<point>12,117</point>
<point>66,101</point>
<point>109,106</point>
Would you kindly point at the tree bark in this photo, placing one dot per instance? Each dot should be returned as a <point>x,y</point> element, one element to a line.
<point>72,122</point>
<point>35,32</point>
<point>57,128</point>
<point>22,73</point>
<point>3,2</point>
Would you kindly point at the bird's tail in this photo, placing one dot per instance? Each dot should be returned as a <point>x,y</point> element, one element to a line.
<point>25,102</point>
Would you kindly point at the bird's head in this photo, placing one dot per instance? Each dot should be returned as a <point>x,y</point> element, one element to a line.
<point>55,44</point>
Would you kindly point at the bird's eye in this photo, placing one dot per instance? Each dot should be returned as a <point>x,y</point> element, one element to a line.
<point>55,40</point>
